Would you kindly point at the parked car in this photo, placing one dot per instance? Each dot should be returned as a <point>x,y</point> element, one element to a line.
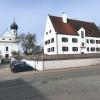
<point>18,66</point>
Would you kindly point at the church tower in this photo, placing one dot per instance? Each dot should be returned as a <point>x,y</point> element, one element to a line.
<point>14,28</point>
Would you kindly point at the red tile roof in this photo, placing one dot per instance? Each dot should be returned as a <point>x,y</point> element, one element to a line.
<point>72,26</point>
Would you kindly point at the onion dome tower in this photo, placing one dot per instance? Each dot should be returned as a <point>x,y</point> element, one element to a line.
<point>14,28</point>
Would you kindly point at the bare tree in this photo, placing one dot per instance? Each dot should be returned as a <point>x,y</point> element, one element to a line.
<point>28,42</point>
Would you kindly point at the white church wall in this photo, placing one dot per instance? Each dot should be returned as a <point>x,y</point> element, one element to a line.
<point>8,40</point>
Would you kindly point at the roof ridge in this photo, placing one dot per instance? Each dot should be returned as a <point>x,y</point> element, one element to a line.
<point>72,19</point>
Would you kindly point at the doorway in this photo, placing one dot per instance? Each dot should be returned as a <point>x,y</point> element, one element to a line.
<point>6,55</point>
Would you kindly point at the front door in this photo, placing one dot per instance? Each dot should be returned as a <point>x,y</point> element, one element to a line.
<point>6,55</point>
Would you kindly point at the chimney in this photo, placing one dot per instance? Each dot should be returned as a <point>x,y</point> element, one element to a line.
<point>64,17</point>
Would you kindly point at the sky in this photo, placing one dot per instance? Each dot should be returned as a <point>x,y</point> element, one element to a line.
<point>31,15</point>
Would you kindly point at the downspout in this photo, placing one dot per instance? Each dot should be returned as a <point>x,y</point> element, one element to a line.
<point>57,42</point>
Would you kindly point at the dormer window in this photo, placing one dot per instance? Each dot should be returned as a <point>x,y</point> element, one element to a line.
<point>82,34</point>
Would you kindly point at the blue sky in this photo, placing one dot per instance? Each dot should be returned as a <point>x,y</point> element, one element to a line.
<point>31,15</point>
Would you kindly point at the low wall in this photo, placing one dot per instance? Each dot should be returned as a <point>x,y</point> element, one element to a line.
<point>58,64</point>
<point>38,65</point>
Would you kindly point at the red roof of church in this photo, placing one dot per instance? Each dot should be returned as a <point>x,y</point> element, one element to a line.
<point>72,26</point>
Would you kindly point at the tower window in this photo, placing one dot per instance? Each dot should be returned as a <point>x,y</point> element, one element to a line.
<point>3,39</point>
<point>6,48</point>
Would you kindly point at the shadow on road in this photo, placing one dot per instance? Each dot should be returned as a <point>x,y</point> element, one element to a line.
<point>18,89</point>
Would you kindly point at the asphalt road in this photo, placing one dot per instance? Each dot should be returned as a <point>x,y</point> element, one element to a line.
<point>66,84</point>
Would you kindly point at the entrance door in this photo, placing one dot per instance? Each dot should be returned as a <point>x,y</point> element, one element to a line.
<point>6,55</point>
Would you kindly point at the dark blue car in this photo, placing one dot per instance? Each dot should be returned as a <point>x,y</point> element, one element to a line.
<point>17,66</point>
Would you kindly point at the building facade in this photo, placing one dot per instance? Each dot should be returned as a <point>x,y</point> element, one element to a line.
<point>9,42</point>
<point>68,36</point>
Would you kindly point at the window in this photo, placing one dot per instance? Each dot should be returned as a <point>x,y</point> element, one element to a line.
<point>52,49</point>
<point>49,31</point>
<point>48,41</point>
<point>48,49</point>
<point>46,33</point>
<point>82,44</point>
<point>97,49</point>
<point>92,49</point>
<point>52,40</point>
<point>45,42</point>
<point>3,39</point>
<point>9,39</point>
<point>6,48</point>
<point>82,34</point>
<point>64,48</point>
<point>75,48</point>
<point>97,41</point>
<point>74,40</point>
<point>92,41</point>
<point>87,48</point>
<point>64,39</point>
<point>87,40</point>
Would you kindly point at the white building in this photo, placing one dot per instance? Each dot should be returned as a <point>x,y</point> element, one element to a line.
<point>9,42</point>
<point>68,36</point>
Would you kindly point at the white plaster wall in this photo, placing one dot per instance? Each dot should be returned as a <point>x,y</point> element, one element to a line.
<point>68,44</point>
<point>92,45</point>
<point>11,47</point>
<point>58,64</point>
<point>58,41</point>
<point>49,36</point>
<point>38,65</point>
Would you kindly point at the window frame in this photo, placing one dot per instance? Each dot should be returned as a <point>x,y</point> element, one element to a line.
<point>92,49</point>
<point>82,34</point>
<point>92,41</point>
<point>52,40</point>
<point>48,49</point>
<point>88,49</point>
<point>7,48</point>
<point>52,49</point>
<point>65,48</point>
<point>74,40</point>
<point>75,49</point>
<point>64,39</point>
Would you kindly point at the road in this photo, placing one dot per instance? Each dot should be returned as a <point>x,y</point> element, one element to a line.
<point>66,84</point>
